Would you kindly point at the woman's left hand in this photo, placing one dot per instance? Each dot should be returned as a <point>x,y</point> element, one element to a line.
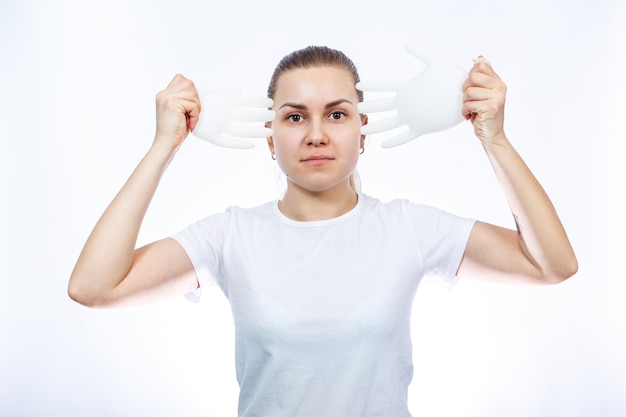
<point>484,94</point>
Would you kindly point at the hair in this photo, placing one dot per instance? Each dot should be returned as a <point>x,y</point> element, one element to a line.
<point>315,57</point>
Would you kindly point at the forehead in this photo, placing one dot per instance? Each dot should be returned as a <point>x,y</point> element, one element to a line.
<point>317,82</point>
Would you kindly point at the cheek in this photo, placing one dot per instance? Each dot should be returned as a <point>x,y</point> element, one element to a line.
<point>282,143</point>
<point>352,136</point>
<point>285,147</point>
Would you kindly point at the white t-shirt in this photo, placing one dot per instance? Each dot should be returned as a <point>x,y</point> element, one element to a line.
<point>322,309</point>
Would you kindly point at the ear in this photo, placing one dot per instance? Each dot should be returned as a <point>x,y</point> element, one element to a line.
<point>364,121</point>
<point>270,139</point>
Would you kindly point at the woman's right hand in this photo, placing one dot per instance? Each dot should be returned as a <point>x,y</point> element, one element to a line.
<point>177,112</point>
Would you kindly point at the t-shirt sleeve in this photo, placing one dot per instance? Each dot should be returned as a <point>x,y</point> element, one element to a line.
<point>442,238</point>
<point>203,241</point>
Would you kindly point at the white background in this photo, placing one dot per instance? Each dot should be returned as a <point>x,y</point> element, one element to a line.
<point>77,113</point>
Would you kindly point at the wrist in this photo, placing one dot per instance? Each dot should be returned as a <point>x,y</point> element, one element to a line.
<point>162,150</point>
<point>497,140</point>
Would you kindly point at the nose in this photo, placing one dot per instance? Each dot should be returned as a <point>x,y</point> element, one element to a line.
<point>316,136</point>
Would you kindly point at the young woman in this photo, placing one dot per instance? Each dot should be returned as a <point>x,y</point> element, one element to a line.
<point>321,282</point>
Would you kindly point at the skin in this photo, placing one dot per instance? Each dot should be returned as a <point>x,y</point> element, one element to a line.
<point>316,141</point>
<point>539,251</point>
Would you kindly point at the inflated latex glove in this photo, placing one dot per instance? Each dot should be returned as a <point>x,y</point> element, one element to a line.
<point>429,102</point>
<point>228,118</point>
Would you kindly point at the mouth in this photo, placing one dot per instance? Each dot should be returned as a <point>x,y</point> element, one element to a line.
<point>317,159</point>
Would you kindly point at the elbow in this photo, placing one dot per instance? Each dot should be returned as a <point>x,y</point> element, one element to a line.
<point>76,293</point>
<point>83,294</point>
<point>563,271</point>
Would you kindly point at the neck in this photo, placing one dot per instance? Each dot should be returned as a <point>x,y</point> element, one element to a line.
<point>304,205</point>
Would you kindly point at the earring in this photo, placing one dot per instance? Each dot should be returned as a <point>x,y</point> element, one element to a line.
<point>362,151</point>
<point>273,156</point>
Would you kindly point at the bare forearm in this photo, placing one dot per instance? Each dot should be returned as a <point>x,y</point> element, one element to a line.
<point>541,234</point>
<point>108,253</point>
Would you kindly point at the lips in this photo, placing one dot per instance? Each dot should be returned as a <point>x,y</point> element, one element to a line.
<point>317,160</point>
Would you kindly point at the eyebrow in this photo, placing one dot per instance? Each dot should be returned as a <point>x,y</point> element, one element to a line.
<point>327,106</point>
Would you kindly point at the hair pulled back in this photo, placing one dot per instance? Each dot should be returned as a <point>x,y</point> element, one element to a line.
<point>313,57</point>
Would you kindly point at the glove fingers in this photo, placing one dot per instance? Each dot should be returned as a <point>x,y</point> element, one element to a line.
<point>248,131</point>
<point>252,115</point>
<point>251,101</point>
<point>381,125</point>
<point>400,139</point>
<point>226,141</point>
<point>373,106</point>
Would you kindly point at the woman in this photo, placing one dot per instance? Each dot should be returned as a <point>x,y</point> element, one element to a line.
<point>321,282</point>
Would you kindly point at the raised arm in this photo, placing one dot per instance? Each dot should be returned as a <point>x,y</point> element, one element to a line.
<point>539,250</point>
<point>109,270</point>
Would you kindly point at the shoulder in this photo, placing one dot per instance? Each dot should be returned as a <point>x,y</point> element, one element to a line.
<point>405,213</point>
<point>240,213</point>
<point>262,210</point>
<point>232,217</point>
<point>398,206</point>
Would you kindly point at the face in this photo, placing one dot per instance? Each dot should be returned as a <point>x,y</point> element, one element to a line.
<point>317,135</point>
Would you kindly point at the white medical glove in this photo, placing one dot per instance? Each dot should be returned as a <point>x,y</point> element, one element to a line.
<point>429,102</point>
<point>227,117</point>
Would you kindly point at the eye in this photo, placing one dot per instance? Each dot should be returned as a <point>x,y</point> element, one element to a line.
<point>337,115</point>
<point>295,118</point>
